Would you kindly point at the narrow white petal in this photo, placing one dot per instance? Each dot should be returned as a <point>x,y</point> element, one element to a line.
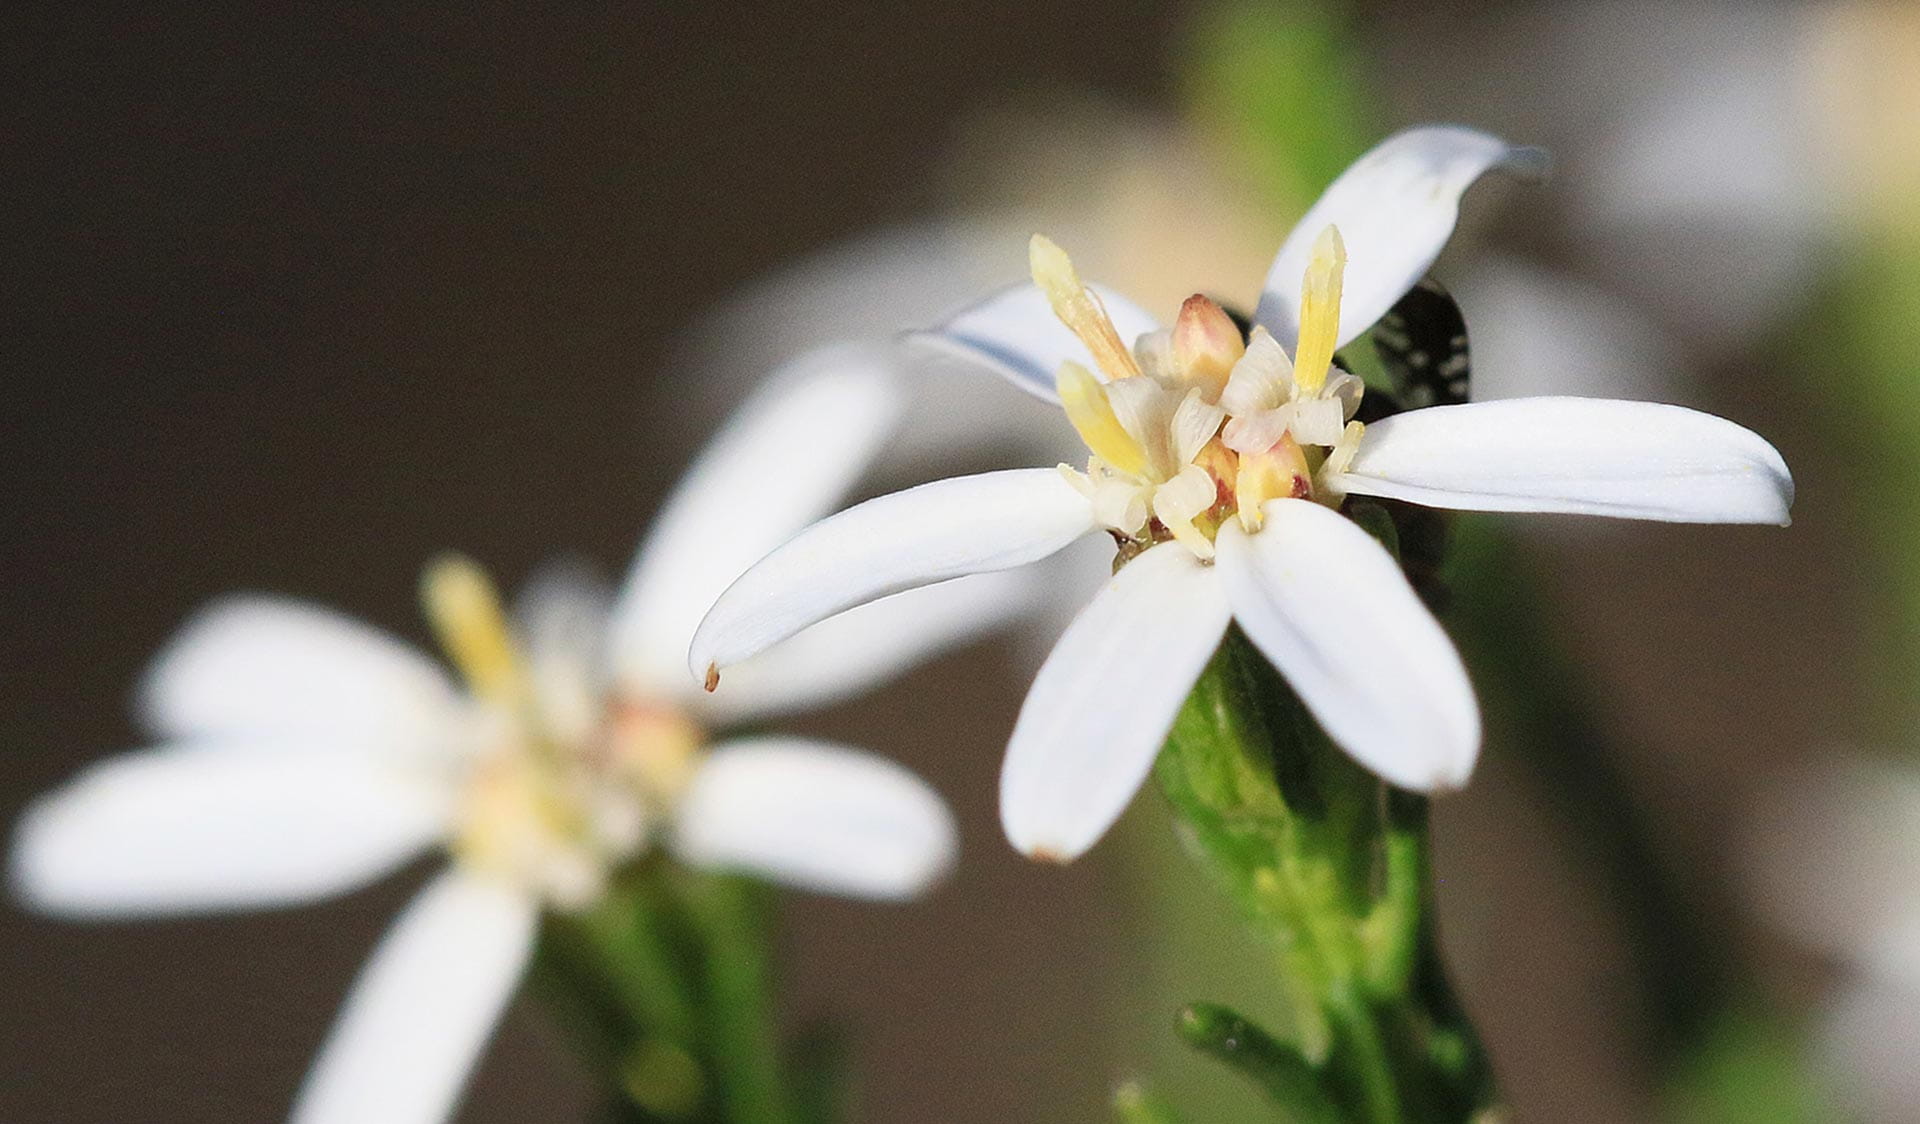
<point>423,1008</point>
<point>1262,379</point>
<point>847,654</point>
<point>1328,605</point>
<point>1395,208</point>
<point>1104,700</point>
<point>817,816</point>
<point>251,665</point>
<point>1195,422</point>
<point>965,525</point>
<point>1588,456</point>
<point>1015,334</point>
<point>785,459</point>
<point>229,826</point>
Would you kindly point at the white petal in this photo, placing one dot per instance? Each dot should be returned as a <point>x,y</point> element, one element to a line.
<point>229,826</point>
<point>1588,456</point>
<point>423,1008</point>
<point>1015,333</point>
<point>817,816</point>
<point>786,458</point>
<point>1104,700</point>
<point>1195,421</point>
<point>251,665</point>
<point>1262,379</point>
<point>1318,421</point>
<point>1259,431</point>
<point>1395,208</point>
<point>965,525</point>
<point>847,654</point>
<point>1184,497</point>
<point>1328,605</point>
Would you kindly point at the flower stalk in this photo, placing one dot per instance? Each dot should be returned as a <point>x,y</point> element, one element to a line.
<point>667,985</point>
<point>1331,864</point>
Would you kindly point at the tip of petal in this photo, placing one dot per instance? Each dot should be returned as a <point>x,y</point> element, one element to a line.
<point>1528,162</point>
<point>1049,855</point>
<point>711,682</point>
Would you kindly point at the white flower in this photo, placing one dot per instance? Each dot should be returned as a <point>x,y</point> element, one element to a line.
<point>1217,528</point>
<point>306,754</point>
<point>1829,859</point>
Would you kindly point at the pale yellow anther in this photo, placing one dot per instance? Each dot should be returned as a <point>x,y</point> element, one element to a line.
<point>464,609</point>
<point>1340,457</point>
<point>1079,307</point>
<point>1084,398</point>
<point>1279,472</point>
<point>1319,312</point>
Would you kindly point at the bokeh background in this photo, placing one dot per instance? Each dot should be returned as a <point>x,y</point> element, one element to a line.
<point>292,298</point>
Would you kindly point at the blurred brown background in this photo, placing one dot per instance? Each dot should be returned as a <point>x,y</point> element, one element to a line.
<point>291,299</point>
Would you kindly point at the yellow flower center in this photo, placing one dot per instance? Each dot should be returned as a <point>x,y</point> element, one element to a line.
<point>549,802</point>
<point>1193,426</point>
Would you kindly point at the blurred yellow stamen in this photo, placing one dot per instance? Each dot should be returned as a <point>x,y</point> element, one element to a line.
<point>1279,472</point>
<point>464,609</point>
<point>1319,312</point>
<point>658,748</point>
<point>1079,307</point>
<point>1085,400</point>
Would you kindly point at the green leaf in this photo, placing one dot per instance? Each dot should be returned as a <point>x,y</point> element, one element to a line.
<point>1280,1071</point>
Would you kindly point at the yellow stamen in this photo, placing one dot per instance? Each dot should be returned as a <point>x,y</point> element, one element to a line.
<point>1278,472</point>
<point>464,609</point>
<point>1085,400</point>
<point>1344,450</point>
<point>1079,307</point>
<point>1319,311</point>
<point>1207,344</point>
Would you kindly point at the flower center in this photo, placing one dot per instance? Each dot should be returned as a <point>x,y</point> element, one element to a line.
<point>566,780</point>
<point>1197,425</point>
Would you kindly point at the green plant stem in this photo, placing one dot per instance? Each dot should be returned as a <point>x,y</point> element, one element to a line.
<point>667,985</point>
<point>743,1038</point>
<point>1331,865</point>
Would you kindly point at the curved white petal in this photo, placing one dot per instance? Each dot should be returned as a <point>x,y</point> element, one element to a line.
<point>1015,333</point>
<point>251,665</point>
<point>964,525</point>
<point>229,826</point>
<point>1395,208</point>
<point>423,1008</point>
<point>817,816</point>
<point>1104,700</point>
<point>853,651</point>
<point>1328,605</point>
<point>1588,456</point>
<point>786,458</point>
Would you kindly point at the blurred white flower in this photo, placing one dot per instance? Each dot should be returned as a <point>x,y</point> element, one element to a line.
<point>305,754</point>
<point>1208,457</point>
<point>1694,182</point>
<point>1833,860</point>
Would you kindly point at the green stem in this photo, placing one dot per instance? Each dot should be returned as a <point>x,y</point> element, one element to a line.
<point>743,1038</point>
<point>1332,866</point>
